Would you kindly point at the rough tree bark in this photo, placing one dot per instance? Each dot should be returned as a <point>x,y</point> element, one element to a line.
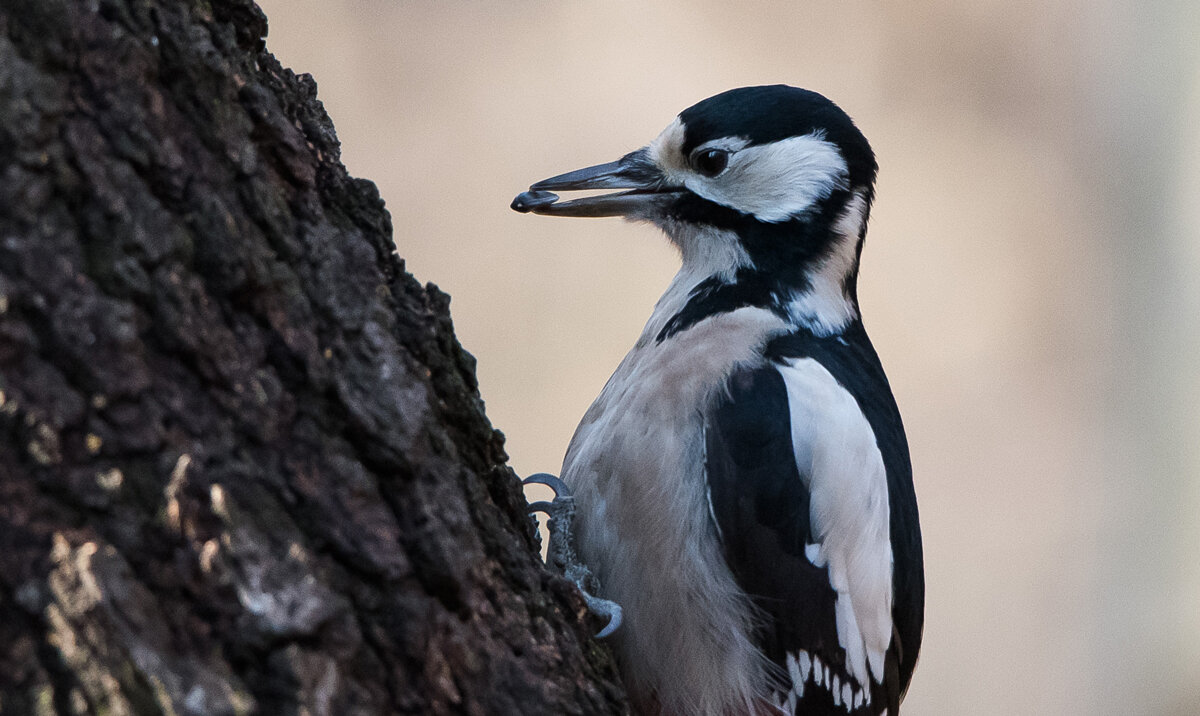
<point>244,467</point>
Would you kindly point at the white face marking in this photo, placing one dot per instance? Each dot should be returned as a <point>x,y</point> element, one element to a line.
<point>667,150</point>
<point>840,460</point>
<point>824,307</point>
<point>773,182</point>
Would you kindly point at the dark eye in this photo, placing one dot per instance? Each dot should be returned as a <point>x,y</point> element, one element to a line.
<point>710,162</point>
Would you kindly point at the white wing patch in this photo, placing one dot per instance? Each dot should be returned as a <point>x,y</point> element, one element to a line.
<point>837,454</point>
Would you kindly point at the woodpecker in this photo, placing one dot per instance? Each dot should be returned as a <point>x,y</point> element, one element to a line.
<point>742,485</point>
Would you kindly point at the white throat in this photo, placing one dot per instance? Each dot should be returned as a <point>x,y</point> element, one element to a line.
<point>706,250</point>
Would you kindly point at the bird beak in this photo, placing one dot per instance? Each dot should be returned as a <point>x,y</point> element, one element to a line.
<point>648,190</point>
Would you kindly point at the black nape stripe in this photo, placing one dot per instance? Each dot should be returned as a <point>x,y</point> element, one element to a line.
<point>780,255</point>
<point>712,296</point>
<point>783,249</point>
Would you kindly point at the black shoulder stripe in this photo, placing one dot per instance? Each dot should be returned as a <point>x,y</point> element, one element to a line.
<point>713,296</point>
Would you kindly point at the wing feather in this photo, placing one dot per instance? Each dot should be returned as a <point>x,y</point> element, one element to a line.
<point>773,492</point>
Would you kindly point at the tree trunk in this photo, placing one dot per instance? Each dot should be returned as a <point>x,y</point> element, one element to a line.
<point>244,467</point>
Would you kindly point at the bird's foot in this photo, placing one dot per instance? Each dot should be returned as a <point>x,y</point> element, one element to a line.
<point>605,608</point>
<point>561,553</point>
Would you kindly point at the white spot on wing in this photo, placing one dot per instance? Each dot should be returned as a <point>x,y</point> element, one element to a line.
<point>838,456</point>
<point>805,666</point>
<point>793,668</point>
<point>813,553</point>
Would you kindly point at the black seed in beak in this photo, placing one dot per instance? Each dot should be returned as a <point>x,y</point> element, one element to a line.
<point>530,200</point>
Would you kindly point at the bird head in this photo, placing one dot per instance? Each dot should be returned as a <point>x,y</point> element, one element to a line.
<point>764,188</point>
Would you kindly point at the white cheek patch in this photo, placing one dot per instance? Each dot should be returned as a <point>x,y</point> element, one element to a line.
<point>777,181</point>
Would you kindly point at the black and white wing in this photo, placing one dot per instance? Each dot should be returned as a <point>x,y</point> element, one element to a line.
<point>811,491</point>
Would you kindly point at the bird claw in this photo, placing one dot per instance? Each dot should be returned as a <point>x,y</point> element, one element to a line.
<point>604,607</point>
<point>543,506</point>
<point>560,551</point>
<point>545,478</point>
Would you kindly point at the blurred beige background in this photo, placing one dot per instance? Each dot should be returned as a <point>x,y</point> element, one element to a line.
<point>1030,277</point>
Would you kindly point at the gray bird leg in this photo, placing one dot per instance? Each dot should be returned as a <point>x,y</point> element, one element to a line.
<point>561,553</point>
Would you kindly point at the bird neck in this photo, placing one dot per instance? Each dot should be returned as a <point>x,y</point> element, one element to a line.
<point>827,301</point>
<point>805,270</point>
